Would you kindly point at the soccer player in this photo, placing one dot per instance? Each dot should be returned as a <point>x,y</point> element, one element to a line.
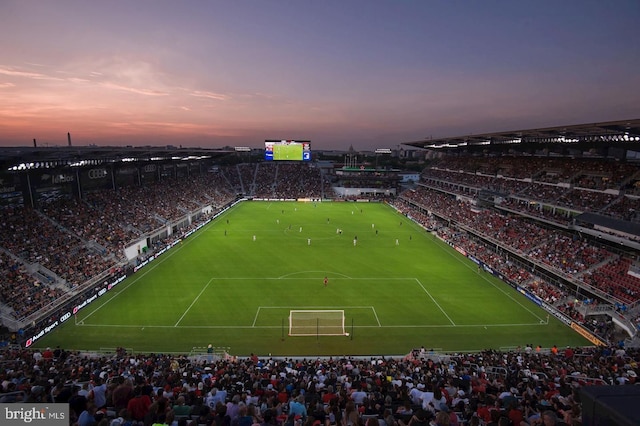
<point>326,281</point>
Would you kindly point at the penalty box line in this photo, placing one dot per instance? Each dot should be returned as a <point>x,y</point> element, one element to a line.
<point>375,314</point>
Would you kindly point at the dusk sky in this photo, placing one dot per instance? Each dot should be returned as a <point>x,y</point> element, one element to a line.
<point>371,74</point>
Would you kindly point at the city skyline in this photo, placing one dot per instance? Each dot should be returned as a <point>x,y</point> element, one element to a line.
<point>366,74</point>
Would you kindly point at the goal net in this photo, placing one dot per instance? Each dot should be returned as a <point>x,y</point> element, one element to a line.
<point>316,323</point>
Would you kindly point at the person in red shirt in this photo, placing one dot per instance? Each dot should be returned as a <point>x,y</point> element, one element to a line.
<point>328,395</point>
<point>139,405</point>
<point>568,353</point>
<point>47,355</point>
<point>483,411</point>
<point>283,395</point>
<point>515,414</point>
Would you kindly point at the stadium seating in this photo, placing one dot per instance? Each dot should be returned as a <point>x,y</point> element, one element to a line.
<point>76,240</point>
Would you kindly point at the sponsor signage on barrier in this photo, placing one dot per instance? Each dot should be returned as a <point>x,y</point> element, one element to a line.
<point>535,299</point>
<point>557,314</point>
<point>109,285</point>
<point>586,334</point>
<point>41,333</point>
<point>64,317</point>
<point>461,251</point>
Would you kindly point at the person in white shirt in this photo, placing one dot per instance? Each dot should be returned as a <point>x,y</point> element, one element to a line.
<point>358,396</point>
<point>216,396</point>
<point>416,394</point>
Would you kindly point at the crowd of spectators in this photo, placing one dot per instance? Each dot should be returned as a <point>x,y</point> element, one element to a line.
<point>615,278</point>
<point>78,238</point>
<point>275,180</point>
<point>525,207</point>
<point>499,260</point>
<point>294,181</point>
<point>20,292</point>
<point>32,237</point>
<point>519,387</point>
<point>626,208</point>
<point>525,385</point>
<point>566,254</point>
<point>591,185</point>
<point>592,173</point>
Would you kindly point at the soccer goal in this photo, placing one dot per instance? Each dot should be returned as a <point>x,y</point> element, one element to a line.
<point>316,323</point>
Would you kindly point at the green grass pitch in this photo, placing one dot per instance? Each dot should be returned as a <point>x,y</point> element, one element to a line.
<point>399,286</point>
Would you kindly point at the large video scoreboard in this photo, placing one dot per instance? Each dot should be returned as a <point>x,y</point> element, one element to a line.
<point>287,150</point>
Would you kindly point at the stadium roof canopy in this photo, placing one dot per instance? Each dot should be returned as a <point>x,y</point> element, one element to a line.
<point>624,134</point>
<point>21,158</point>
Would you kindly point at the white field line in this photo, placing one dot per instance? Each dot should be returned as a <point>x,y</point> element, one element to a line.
<point>194,302</point>
<point>489,281</point>
<point>376,315</point>
<point>255,319</point>
<point>288,277</point>
<point>437,304</point>
<point>157,263</point>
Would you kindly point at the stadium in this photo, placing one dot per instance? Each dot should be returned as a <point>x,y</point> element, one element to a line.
<point>513,256</point>
<point>319,213</point>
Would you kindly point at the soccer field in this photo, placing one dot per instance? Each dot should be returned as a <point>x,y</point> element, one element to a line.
<point>233,283</point>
